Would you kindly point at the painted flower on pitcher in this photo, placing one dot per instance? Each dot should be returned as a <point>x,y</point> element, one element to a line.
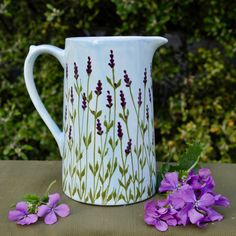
<point>145,77</point>
<point>98,90</point>
<point>127,80</point>
<point>109,99</point>
<point>66,71</point>
<point>150,95</point>
<point>128,148</point>
<point>71,95</point>
<point>99,127</point>
<point>112,62</point>
<point>89,66</point>
<point>139,97</point>
<point>76,74</point>
<point>119,130</point>
<point>84,101</point>
<point>122,99</point>
<point>70,132</point>
<point>147,112</point>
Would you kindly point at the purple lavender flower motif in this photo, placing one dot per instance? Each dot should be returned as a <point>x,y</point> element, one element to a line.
<point>119,131</point>
<point>145,77</point>
<point>160,217</point>
<point>70,131</point>
<point>170,182</point>
<point>89,66</point>
<point>128,148</point>
<point>147,112</point>
<point>76,74</point>
<point>84,101</point>
<point>21,214</point>
<point>71,95</point>
<point>122,99</point>
<point>66,71</point>
<point>52,209</point>
<point>109,100</point>
<point>99,127</point>
<point>127,80</point>
<point>98,90</point>
<point>112,62</point>
<point>150,95</point>
<point>139,97</point>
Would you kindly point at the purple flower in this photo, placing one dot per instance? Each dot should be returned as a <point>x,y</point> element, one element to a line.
<point>89,66</point>
<point>70,131</point>
<point>139,97</point>
<point>99,127</point>
<point>52,209</point>
<point>98,90</point>
<point>109,100</point>
<point>119,131</point>
<point>21,214</point>
<point>158,216</point>
<point>71,95</point>
<point>84,101</point>
<point>220,200</point>
<point>122,99</point>
<point>150,95</point>
<point>145,77</point>
<point>76,74</point>
<point>66,71</point>
<point>147,112</point>
<point>127,80</point>
<point>112,62</point>
<point>170,182</point>
<point>128,148</point>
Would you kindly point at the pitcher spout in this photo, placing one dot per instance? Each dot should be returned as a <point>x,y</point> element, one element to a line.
<point>156,42</point>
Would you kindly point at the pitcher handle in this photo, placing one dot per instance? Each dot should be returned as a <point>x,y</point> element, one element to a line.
<point>34,52</point>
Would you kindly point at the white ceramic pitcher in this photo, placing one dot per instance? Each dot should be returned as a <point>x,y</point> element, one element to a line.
<point>107,143</point>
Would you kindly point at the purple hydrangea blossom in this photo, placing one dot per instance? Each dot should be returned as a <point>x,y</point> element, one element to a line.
<point>159,216</point>
<point>21,214</point>
<point>89,66</point>
<point>53,209</point>
<point>109,100</point>
<point>112,61</point>
<point>189,200</point>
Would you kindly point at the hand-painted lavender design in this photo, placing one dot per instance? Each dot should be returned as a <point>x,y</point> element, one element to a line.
<point>109,134</point>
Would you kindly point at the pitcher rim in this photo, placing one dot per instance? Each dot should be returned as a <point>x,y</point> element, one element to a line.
<point>115,38</point>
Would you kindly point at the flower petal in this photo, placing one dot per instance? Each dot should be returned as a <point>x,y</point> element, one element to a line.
<point>221,200</point>
<point>50,218</point>
<point>214,215</point>
<point>15,215</point>
<point>149,219</point>
<point>22,206</point>
<point>170,182</point>
<point>204,172</point>
<point>171,222</point>
<point>29,219</point>
<point>194,216</point>
<point>206,200</point>
<point>43,210</point>
<point>54,199</point>
<point>62,210</point>
<point>161,225</point>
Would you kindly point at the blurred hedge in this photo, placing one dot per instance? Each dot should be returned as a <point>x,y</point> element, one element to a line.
<point>194,76</point>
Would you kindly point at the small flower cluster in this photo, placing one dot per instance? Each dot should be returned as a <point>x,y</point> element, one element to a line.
<point>99,127</point>
<point>98,90</point>
<point>84,101</point>
<point>127,80</point>
<point>112,62</point>
<point>128,148</point>
<point>109,100</point>
<point>76,74</point>
<point>89,66</point>
<point>190,200</point>
<point>27,213</point>
<point>122,99</point>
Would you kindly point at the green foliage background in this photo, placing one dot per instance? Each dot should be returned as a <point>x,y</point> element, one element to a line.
<point>194,75</point>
